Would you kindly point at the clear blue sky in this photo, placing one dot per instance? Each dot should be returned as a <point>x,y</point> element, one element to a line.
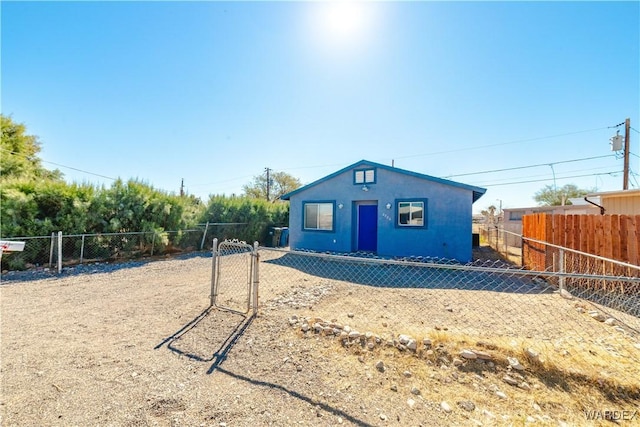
<point>215,92</point>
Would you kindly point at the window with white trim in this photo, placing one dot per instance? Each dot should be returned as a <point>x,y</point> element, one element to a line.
<point>411,214</point>
<point>364,176</point>
<point>318,216</point>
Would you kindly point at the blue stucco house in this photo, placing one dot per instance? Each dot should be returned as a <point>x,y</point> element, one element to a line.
<point>385,210</point>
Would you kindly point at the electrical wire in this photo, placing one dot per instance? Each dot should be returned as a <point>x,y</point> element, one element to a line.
<point>545,175</point>
<point>550,179</point>
<point>503,143</point>
<point>60,165</point>
<point>530,166</point>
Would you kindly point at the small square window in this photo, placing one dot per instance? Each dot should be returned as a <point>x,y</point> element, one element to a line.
<point>364,176</point>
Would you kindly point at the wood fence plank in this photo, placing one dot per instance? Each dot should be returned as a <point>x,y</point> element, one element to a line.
<point>624,238</point>
<point>607,241</point>
<point>584,233</point>
<point>548,232</point>
<point>575,232</point>
<point>591,234</point>
<point>598,246</point>
<point>634,248</point>
<point>616,252</point>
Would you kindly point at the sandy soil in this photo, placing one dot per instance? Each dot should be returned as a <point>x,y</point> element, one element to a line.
<point>139,347</point>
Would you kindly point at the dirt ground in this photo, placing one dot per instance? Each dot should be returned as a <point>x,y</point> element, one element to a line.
<point>139,347</point>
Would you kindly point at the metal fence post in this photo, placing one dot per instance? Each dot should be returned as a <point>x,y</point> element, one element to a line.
<point>153,242</point>
<point>561,267</point>
<point>59,252</point>
<point>256,276</point>
<point>214,275</point>
<point>204,236</point>
<point>82,250</point>
<point>53,239</point>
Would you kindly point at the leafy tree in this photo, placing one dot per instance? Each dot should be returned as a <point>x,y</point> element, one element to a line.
<point>18,157</point>
<point>550,196</point>
<point>257,214</point>
<point>280,183</point>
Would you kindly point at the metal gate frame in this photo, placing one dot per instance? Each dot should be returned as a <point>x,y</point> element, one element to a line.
<point>253,277</point>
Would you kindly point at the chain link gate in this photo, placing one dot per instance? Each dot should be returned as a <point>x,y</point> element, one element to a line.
<point>234,276</point>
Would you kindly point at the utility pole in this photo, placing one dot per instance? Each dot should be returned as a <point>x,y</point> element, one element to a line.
<point>625,179</point>
<point>182,188</point>
<point>268,182</point>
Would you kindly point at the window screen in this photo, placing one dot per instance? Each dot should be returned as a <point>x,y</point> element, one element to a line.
<point>318,216</point>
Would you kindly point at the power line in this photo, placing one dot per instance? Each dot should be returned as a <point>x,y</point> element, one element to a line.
<point>504,143</point>
<point>60,165</point>
<point>551,179</point>
<point>545,175</point>
<point>530,166</point>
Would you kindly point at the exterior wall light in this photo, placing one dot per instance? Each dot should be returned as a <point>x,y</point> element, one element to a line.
<point>388,205</point>
<point>365,188</point>
<point>340,206</point>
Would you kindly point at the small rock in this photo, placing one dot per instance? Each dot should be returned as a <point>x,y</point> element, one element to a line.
<point>468,354</point>
<point>536,407</point>
<point>515,364</point>
<point>532,354</point>
<point>407,374</point>
<point>610,321</point>
<point>305,327</point>
<point>299,368</point>
<point>411,403</point>
<point>445,407</point>
<point>467,405</point>
<point>384,324</point>
<point>511,381</point>
<point>488,414</point>
<point>415,390</point>
<point>483,355</point>
<point>380,366</point>
<point>580,310</point>
<point>598,316</point>
<point>426,342</point>
<point>412,345</point>
<point>404,339</point>
<point>457,362</point>
<point>393,387</point>
<point>354,335</point>
<point>350,315</point>
<point>383,417</point>
<point>565,294</point>
<point>501,394</point>
<point>525,386</point>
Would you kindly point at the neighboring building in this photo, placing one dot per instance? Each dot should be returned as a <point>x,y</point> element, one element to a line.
<point>622,202</point>
<point>512,217</point>
<point>384,210</point>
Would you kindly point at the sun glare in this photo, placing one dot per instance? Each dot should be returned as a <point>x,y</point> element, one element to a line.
<point>345,23</point>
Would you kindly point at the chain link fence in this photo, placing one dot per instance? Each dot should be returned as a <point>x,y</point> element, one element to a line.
<point>234,276</point>
<point>60,249</point>
<point>569,315</point>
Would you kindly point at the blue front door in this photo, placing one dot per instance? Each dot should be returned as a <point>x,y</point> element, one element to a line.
<point>368,228</point>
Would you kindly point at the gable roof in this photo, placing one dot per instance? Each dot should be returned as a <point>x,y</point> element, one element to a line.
<point>477,191</point>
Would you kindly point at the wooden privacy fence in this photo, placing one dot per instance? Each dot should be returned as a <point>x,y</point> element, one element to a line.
<point>614,237</point>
